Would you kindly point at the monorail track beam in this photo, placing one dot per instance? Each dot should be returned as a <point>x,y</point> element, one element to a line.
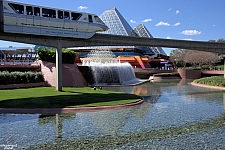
<point>106,40</point>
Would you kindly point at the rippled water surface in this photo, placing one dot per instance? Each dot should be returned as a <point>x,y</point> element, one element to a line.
<point>175,115</point>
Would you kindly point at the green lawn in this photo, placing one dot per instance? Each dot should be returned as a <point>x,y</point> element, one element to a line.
<point>212,81</point>
<point>48,97</point>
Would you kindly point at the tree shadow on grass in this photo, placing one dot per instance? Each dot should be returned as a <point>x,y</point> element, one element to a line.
<point>65,101</point>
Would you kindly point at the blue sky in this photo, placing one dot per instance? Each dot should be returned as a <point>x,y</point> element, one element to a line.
<point>200,20</point>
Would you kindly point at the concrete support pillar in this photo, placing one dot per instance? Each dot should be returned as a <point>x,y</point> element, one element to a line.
<point>224,68</point>
<point>59,66</point>
<point>1,16</point>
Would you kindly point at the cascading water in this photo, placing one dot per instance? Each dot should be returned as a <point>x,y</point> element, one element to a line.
<point>126,74</point>
<point>106,69</point>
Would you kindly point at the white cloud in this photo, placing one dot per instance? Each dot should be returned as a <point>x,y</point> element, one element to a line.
<point>177,11</point>
<point>82,7</point>
<point>190,32</point>
<point>168,37</point>
<point>189,39</point>
<point>213,25</point>
<point>177,24</point>
<point>169,9</point>
<point>147,20</point>
<point>162,24</point>
<point>132,21</point>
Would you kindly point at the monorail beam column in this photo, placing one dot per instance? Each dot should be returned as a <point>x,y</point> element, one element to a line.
<point>224,67</point>
<point>1,16</point>
<point>59,66</point>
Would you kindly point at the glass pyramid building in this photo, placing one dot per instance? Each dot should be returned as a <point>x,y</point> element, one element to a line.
<point>142,31</point>
<point>116,23</point>
<point>119,26</point>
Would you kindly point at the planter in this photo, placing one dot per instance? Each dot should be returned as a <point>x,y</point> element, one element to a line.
<point>189,74</point>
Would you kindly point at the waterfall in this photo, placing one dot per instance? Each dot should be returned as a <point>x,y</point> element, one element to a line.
<point>107,70</point>
<point>126,74</point>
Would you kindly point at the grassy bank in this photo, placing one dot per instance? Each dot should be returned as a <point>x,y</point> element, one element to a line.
<point>212,81</point>
<point>48,97</point>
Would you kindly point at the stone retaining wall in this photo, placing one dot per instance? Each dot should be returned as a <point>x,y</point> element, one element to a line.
<point>71,75</point>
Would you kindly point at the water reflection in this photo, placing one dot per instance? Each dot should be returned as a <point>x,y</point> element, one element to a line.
<point>224,100</point>
<point>112,141</point>
<point>172,112</point>
<point>55,120</point>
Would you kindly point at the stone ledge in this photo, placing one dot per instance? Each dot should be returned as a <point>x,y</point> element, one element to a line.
<point>208,86</point>
<point>161,78</point>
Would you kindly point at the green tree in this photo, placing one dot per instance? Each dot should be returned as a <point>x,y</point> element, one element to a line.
<point>177,56</point>
<point>49,54</point>
<point>212,41</point>
<point>221,40</point>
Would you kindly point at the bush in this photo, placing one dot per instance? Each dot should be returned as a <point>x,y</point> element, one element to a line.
<point>190,68</point>
<point>17,77</point>
<point>68,56</point>
<point>46,54</point>
<point>205,67</point>
<point>213,81</point>
<point>167,74</point>
<point>20,77</point>
<point>218,67</point>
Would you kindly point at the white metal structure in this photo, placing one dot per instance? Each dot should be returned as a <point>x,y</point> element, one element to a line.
<point>39,20</point>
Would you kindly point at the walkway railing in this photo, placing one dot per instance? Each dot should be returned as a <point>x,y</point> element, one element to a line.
<point>24,59</point>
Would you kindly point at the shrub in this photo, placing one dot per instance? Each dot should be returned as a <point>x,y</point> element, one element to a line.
<point>17,77</point>
<point>218,67</point>
<point>20,77</point>
<point>46,54</point>
<point>167,74</point>
<point>190,68</point>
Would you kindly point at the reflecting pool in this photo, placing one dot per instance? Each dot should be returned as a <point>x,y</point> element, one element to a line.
<point>174,115</point>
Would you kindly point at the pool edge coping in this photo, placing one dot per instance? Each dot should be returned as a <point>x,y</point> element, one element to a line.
<point>208,86</point>
<point>65,110</point>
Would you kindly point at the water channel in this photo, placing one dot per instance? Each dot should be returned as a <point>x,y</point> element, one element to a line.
<point>175,115</point>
